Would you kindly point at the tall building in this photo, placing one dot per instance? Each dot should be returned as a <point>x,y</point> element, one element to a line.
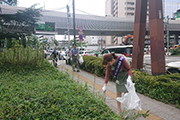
<point>126,9</point>
<point>170,7</point>
<point>118,8</point>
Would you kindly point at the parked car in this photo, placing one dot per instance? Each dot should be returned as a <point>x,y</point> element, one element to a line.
<point>62,55</point>
<point>119,50</point>
<point>173,67</point>
<point>86,53</point>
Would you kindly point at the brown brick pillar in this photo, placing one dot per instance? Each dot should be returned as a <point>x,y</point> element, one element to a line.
<point>139,34</point>
<point>156,37</point>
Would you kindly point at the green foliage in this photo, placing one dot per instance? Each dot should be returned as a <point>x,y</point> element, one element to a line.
<point>165,88</point>
<point>18,55</point>
<point>56,42</point>
<point>93,65</point>
<point>24,19</point>
<point>176,51</point>
<point>45,93</point>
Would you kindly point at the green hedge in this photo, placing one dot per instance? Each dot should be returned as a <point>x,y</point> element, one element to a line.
<point>165,88</point>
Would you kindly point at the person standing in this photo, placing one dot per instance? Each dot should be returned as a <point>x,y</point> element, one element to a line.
<point>74,56</point>
<point>122,72</point>
<point>68,56</point>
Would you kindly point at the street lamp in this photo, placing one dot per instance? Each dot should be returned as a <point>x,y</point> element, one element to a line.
<point>167,34</point>
<point>74,22</point>
<point>68,15</point>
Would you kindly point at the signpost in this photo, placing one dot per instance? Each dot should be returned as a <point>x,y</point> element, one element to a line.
<point>80,34</point>
<point>81,37</point>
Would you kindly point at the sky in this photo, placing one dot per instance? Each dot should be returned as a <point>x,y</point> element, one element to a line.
<point>94,7</point>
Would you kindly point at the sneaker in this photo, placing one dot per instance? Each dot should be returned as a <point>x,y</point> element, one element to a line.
<point>78,71</point>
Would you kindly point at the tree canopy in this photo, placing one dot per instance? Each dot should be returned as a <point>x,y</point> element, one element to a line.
<point>19,25</point>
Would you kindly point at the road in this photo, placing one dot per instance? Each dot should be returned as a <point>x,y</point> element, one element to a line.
<point>168,59</point>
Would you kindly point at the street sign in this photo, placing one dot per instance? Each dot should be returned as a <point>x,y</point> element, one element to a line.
<point>81,37</point>
<point>80,28</point>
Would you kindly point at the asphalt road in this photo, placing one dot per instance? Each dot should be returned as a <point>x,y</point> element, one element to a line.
<point>168,59</point>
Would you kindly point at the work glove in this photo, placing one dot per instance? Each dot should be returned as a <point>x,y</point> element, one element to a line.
<point>129,81</point>
<point>104,88</point>
<point>117,82</point>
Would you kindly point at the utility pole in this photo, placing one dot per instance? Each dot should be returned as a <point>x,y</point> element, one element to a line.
<point>68,15</point>
<point>74,22</point>
<point>168,35</point>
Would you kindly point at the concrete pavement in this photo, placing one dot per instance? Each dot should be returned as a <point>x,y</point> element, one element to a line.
<point>158,110</point>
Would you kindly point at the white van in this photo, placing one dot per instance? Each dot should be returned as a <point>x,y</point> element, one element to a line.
<point>119,50</point>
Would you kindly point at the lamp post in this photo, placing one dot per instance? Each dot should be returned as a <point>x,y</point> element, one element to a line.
<point>68,15</point>
<point>74,22</point>
<point>168,35</point>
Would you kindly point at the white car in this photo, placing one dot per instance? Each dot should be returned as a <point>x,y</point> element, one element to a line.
<point>173,67</point>
<point>86,53</point>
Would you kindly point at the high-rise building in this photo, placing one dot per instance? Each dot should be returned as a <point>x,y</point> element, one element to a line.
<point>170,7</point>
<point>126,9</point>
<point>120,8</point>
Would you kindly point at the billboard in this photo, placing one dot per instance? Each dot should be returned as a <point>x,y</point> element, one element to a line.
<point>46,26</point>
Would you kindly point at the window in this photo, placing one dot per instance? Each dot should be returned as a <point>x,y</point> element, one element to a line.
<point>105,51</point>
<point>130,3</point>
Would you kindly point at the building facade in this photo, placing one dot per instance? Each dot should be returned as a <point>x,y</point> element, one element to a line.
<point>126,9</point>
<point>118,8</point>
<point>170,7</point>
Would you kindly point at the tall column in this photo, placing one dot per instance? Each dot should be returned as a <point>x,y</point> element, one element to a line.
<point>156,37</point>
<point>139,34</point>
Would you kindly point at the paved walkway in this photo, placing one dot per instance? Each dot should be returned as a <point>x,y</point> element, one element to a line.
<point>158,110</point>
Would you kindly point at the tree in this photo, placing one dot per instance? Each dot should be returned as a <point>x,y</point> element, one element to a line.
<point>56,42</point>
<point>19,25</point>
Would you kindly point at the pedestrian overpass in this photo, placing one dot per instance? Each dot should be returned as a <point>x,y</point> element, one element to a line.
<point>92,25</point>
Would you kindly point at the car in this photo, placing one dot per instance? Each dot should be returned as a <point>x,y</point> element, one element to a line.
<point>86,53</point>
<point>125,51</point>
<point>173,67</point>
<point>62,55</point>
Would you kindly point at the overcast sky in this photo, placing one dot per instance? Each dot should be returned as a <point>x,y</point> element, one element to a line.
<point>95,7</point>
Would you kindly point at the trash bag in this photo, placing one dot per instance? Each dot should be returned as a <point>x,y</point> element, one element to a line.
<point>130,100</point>
<point>81,59</point>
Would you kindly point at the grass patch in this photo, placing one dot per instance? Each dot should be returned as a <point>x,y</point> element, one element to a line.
<point>43,92</point>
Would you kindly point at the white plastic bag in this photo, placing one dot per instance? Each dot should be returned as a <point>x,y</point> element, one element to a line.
<point>81,59</point>
<point>130,100</point>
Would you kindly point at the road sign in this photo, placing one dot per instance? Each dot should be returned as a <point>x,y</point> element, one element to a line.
<point>81,37</point>
<point>80,28</point>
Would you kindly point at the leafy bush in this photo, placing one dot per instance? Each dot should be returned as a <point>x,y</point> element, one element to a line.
<point>93,65</point>
<point>165,88</point>
<point>42,92</point>
<point>175,51</point>
<point>18,55</point>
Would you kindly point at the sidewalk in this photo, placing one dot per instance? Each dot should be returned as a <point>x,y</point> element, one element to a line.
<point>158,110</point>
